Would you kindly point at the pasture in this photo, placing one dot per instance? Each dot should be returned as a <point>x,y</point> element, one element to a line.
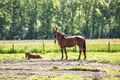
<point>41,46</point>
<point>103,61</point>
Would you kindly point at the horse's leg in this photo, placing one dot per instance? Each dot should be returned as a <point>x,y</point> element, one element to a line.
<point>80,51</point>
<point>84,49</point>
<point>84,52</point>
<point>62,53</point>
<point>65,53</point>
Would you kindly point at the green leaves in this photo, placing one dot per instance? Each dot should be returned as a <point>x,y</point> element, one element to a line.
<point>34,19</point>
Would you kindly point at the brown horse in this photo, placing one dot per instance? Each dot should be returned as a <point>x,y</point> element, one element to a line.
<point>30,56</point>
<point>70,41</point>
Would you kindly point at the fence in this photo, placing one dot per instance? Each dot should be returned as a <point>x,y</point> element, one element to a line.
<point>49,46</point>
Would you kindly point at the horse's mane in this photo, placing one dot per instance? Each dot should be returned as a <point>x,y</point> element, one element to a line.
<point>63,35</point>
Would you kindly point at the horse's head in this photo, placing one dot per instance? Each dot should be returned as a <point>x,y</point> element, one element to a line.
<point>27,54</point>
<point>57,34</point>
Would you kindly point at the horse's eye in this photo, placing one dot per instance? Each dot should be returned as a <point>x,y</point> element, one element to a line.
<point>55,36</point>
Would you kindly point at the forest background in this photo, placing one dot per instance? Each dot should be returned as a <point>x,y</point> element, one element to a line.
<point>34,19</point>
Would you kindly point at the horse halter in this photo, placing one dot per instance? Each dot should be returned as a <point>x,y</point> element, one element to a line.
<point>54,32</point>
<point>55,36</point>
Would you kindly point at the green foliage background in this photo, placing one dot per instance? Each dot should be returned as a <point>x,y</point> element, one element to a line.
<point>34,19</point>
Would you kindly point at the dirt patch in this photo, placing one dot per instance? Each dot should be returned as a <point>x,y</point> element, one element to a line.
<point>45,67</point>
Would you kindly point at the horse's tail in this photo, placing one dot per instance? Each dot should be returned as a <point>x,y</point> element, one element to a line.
<point>84,48</point>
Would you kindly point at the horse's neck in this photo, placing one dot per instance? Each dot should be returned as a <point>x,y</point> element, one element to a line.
<point>59,37</point>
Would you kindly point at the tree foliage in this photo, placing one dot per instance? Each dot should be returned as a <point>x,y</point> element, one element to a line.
<point>34,19</point>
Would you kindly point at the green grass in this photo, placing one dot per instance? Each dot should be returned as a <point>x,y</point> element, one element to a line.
<point>55,68</point>
<point>112,75</point>
<point>12,57</point>
<point>55,77</point>
<point>11,77</point>
<point>20,46</point>
<point>15,69</point>
<point>78,68</point>
<point>103,57</point>
<point>97,50</point>
<point>41,77</point>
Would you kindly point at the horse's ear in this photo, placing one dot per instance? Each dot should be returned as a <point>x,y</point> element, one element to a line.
<point>56,29</point>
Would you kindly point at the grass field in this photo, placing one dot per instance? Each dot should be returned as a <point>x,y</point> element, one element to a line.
<point>103,56</point>
<point>13,61</point>
<point>38,46</point>
<point>100,50</point>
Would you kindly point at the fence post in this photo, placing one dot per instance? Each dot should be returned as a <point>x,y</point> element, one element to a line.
<point>75,49</point>
<point>108,46</point>
<point>43,47</point>
<point>13,48</point>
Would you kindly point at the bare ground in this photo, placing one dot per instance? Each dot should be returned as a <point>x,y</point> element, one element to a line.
<point>45,67</point>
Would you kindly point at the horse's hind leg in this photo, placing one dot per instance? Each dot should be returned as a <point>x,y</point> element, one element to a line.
<point>62,53</point>
<point>65,53</point>
<point>84,52</point>
<point>80,51</point>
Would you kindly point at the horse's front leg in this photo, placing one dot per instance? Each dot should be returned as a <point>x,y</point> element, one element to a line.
<point>80,51</point>
<point>65,53</point>
<point>62,53</point>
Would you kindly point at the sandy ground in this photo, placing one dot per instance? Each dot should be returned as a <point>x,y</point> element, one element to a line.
<point>45,67</point>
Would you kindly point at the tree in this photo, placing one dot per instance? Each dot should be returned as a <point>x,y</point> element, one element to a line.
<point>32,14</point>
<point>34,19</point>
<point>45,17</point>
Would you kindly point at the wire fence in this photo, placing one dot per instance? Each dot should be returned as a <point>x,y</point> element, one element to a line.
<point>43,46</point>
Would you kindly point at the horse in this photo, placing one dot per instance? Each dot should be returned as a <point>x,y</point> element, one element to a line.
<point>70,41</point>
<point>28,55</point>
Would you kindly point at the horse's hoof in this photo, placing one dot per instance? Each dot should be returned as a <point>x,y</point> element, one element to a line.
<point>61,58</point>
<point>66,59</point>
<point>85,62</point>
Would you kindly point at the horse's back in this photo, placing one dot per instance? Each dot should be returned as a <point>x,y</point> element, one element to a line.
<point>33,56</point>
<point>74,38</point>
<point>71,41</point>
<point>80,40</point>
